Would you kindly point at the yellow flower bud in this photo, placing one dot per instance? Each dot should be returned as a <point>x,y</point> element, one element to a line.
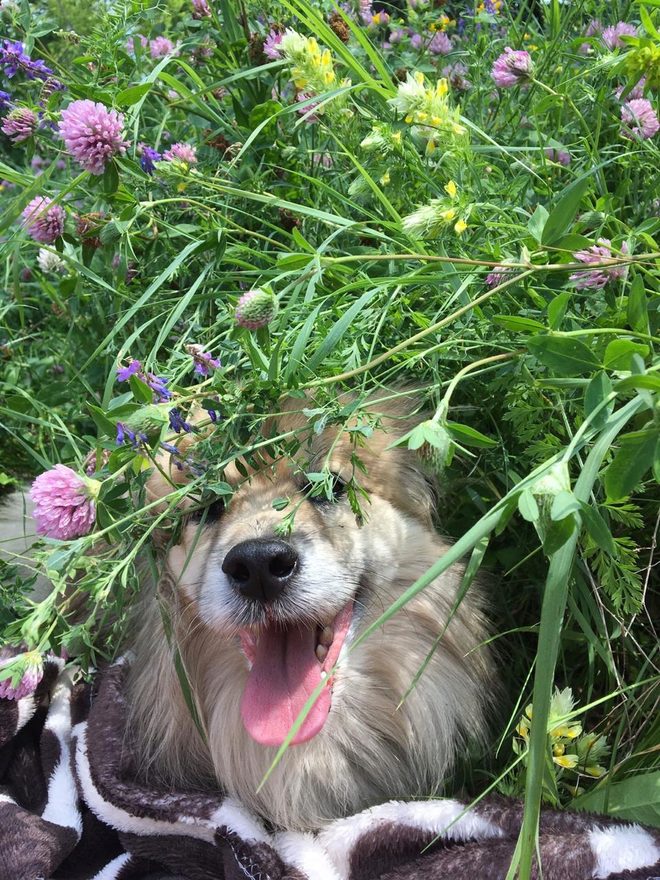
<point>451,189</point>
<point>460,226</point>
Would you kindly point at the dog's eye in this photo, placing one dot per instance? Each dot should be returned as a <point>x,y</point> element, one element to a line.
<point>211,513</point>
<point>317,491</point>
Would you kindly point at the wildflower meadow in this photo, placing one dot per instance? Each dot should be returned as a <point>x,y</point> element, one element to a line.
<point>211,205</point>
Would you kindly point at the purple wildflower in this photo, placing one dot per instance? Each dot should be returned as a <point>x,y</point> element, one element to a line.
<point>160,47</point>
<point>64,503</point>
<point>20,124</point>
<point>26,670</point>
<point>639,120</point>
<point>182,153</point>
<point>611,36</point>
<point>213,415</point>
<point>177,421</point>
<point>5,100</point>
<point>201,9</point>
<point>497,276</point>
<point>562,157</point>
<point>43,220</point>
<point>134,368</point>
<point>158,384</point>
<point>255,309</point>
<point>148,156</point>
<point>307,106</point>
<point>13,57</point>
<point>512,68</point>
<point>203,360</point>
<point>440,44</point>
<point>594,28</point>
<point>92,134</point>
<point>597,278</point>
<point>456,74</point>
<point>271,44</point>
<point>636,92</point>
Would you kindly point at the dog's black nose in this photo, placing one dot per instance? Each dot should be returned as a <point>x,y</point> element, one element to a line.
<point>261,568</point>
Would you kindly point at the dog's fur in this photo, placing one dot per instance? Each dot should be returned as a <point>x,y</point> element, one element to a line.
<point>372,747</point>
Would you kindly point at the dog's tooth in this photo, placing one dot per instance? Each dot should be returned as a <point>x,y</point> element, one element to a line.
<point>327,636</point>
<point>321,653</point>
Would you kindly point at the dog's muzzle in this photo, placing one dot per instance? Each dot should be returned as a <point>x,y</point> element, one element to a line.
<point>260,568</point>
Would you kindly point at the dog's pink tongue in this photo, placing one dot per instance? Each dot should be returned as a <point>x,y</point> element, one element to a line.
<point>284,674</point>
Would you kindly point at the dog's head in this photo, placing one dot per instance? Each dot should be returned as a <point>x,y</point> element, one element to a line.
<point>286,567</point>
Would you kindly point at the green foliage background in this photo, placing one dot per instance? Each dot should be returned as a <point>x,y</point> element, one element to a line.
<point>532,379</point>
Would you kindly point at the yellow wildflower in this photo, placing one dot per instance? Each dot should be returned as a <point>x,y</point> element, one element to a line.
<point>451,189</point>
<point>566,761</point>
<point>460,226</point>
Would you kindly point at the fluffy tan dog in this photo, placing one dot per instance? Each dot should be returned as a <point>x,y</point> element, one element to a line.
<point>261,620</point>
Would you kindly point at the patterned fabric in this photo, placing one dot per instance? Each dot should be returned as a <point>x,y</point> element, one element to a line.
<point>72,808</point>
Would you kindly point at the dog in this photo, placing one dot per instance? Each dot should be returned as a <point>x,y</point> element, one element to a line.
<point>252,620</point>
<point>260,620</point>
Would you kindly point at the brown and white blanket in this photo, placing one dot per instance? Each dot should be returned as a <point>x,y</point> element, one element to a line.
<point>72,808</point>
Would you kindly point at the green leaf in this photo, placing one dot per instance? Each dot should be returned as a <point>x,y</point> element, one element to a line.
<point>597,528</point>
<point>563,504</point>
<point>565,355</point>
<point>528,506</point>
<point>329,343</point>
<point>636,799</point>
<point>562,215</point>
<point>634,458</point>
<point>141,391</point>
<point>557,309</point>
<point>637,309</point>
<point>598,389</point>
<point>517,323</point>
<point>650,381</point>
<point>558,534</point>
<point>131,95</point>
<point>101,421</point>
<point>110,179</point>
<point>619,352</point>
<point>470,436</point>
<point>537,221</point>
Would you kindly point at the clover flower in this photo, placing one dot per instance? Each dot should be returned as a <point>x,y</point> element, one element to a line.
<point>561,157</point>
<point>20,124</point>
<point>64,503</point>
<point>181,152</point>
<point>50,263</point>
<point>159,47</point>
<point>271,48</point>
<point>92,134</point>
<point>148,157</point>
<point>455,74</point>
<point>611,36</point>
<point>512,68</point>
<point>598,278</point>
<point>497,275</point>
<point>636,92</point>
<point>20,675</point>
<point>439,44</point>
<point>639,120</point>
<point>255,309</point>
<point>201,9</point>
<point>43,220</point>
<point>203,360</point>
